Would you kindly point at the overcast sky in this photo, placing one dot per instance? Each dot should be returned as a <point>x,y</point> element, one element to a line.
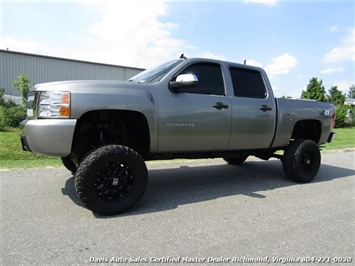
<point>292,40</point>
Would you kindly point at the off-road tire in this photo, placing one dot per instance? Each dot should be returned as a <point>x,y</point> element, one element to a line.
<point>235,160</point>
<point>111,179</point>
<point>301,160</point>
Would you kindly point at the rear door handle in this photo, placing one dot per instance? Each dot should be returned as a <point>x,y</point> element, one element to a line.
<point>220,106</point>
<point>265,108</point>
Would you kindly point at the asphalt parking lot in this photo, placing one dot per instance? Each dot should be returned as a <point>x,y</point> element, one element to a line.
<point>201,211</point>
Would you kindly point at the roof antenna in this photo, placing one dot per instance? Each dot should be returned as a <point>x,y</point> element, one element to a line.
<point>182,56</point>
<point>245,62</point>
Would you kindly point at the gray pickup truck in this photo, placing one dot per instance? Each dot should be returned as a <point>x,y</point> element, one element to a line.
<point>104,131</point>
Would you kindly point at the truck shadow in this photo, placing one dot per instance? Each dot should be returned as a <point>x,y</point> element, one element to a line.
<point>171,187</point>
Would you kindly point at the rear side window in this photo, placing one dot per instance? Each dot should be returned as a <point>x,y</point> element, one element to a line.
<point>247,83</point>
<point>210,79</point>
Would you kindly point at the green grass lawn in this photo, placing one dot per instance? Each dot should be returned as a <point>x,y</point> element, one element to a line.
<point>12,155</point>
<point>344,138</point>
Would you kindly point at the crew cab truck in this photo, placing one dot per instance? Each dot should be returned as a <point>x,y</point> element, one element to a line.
<point>104,131</point>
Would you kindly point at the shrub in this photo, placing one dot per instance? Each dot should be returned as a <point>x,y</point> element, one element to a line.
<point>11,114</point>
<point>341,115</point>
<point>2,118</point>
<point>16,114</point>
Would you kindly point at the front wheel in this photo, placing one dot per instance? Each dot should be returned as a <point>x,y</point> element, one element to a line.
<point>301,160</point>
<point>111,179</point>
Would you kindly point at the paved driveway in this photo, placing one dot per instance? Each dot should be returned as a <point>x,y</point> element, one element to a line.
<point>201,211</point>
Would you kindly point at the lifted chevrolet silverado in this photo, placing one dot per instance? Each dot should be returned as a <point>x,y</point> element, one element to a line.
<point>104,131</point>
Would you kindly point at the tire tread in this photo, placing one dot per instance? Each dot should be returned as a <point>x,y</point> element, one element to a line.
<point>291,157</point>
<point>81,178</point>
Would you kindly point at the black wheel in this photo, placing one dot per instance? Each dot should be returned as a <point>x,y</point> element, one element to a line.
<point>111,179</point>
<point>301,160</point>
<point>69,164</point>
<point>235,160</point>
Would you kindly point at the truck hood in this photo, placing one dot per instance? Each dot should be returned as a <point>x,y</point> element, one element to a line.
<point>89,86</point>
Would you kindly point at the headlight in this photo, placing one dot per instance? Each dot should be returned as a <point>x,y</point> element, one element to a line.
<point>30,104</point>
<point>54,104</point>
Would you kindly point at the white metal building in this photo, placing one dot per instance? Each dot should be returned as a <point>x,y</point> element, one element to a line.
<point>39,69</point>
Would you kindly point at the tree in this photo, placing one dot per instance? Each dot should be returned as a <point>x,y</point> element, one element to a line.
<point>315,91</point>
<point>351,94</point>
<point>23,85</point>
<point>336,96</point>
<point>338,99</point>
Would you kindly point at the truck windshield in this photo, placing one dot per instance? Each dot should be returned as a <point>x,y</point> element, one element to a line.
<point>156,73</point>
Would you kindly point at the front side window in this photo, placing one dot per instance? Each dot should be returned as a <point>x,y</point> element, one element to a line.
<point>210,79</point>
<point>247,83</point>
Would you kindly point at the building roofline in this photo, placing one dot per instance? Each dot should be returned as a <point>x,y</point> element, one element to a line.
<point>67,59</point>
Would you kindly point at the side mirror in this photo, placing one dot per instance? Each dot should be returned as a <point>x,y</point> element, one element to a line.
<point>183,81</point>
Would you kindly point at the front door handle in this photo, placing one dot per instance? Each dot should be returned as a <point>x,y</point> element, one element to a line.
<point>220,106</point>
<point>265,108</point>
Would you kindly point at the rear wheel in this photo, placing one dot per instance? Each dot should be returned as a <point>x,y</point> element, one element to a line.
<point>111,179</point>
<point>301,160</point>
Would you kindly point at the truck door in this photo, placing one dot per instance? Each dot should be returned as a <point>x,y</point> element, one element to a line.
<point>253,110</point>
<point>199,118</point>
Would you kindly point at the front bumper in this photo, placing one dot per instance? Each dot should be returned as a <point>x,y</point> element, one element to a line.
<point>50,137</point>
